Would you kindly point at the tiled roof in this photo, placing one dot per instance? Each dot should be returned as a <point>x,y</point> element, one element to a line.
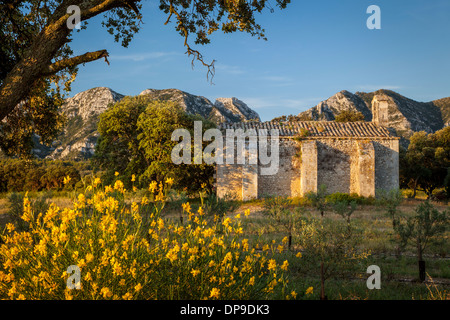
<point>317,128</point>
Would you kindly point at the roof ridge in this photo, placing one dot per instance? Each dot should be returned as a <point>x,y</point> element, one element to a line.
<point>330,128</point>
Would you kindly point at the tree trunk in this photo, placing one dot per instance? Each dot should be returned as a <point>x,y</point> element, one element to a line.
<point>290,241</point>
<point>415,188</point>
<point>36,62</point>
<point>422,273</point>
<point>421,263</point>
<point>21,78</point>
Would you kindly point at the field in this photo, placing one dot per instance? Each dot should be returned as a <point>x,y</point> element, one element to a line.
<point>399,270</point>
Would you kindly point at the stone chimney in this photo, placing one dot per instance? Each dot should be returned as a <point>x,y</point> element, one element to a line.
<point>380,112</point>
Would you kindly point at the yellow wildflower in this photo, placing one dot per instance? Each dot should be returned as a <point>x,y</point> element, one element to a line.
<point>214,293</point>
<point>285,265</point>
<point>97,181</point>
<point>280,248</point>
<point>116,173</point>
<point>118,185</point>
<point>145,201</point>
<point>66,180</point>
<point>134,207</point>
<point>186,207</point>
<point>10,227</point>
<point>153,186</point>
<point>309,290</point>
<point>272,264</point>
<point>88,277</point>
<point>127,296</point>
<point>105,292</point>
<point>160,224</point>
<point>195,272</point>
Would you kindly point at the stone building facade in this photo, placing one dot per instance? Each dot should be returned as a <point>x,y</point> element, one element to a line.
<point>352,157</point>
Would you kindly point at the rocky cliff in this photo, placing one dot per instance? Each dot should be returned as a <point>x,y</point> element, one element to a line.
<point>223,109</point>
<point>404,115</point>
<point>80,135</point>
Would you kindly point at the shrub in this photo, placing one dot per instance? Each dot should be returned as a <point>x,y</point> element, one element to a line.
<point>346,197</point>
<point>349,116</point>
<point>420,230</point>
<point>345,209</point>
<point>215,206</point>
<point>16,208</point>
<point>304,133</point>
<point>330,248</point>
<point>318,199</point>
<point>280,213</point>
<point>389,201</point>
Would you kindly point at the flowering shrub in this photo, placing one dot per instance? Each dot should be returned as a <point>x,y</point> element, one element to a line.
<point>128,251</point>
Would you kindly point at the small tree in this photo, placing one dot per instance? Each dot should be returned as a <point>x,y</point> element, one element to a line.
<point>349,116</point>
<point>389,201</point>
<point>280,213</point>
<point>422,229</point>
<point>330,247</point>
<point>318,199</point>
<point>217,207</point>
<point>345,209</point>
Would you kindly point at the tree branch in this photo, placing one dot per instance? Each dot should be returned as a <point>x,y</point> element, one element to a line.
<point>74,61</point>
<point>196,54</point>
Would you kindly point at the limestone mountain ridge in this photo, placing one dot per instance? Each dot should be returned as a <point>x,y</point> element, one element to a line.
<point>83,110</point>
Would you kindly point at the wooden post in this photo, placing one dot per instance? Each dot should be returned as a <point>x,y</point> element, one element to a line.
<point>422,270</point>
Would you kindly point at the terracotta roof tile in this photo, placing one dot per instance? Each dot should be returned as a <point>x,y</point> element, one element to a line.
<point>317,128</point>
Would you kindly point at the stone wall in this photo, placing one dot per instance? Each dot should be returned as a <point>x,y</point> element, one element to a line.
<point>334,164</point>
<point>287,180</point>
<point>386,164</point>
<point>345,165</point>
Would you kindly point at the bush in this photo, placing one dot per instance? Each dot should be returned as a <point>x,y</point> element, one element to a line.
<point>37,175</point>
<point>345,197</point>
<point>16,208</point>
<point>349,116</point>
<point>282,215</point>
<point>131,252</point>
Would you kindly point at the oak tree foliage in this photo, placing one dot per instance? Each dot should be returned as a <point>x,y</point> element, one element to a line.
<point>425,164</point>
<point>37,64</point>
<point>135,139</point>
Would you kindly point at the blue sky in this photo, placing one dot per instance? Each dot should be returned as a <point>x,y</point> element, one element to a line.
<point>314,50</point>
